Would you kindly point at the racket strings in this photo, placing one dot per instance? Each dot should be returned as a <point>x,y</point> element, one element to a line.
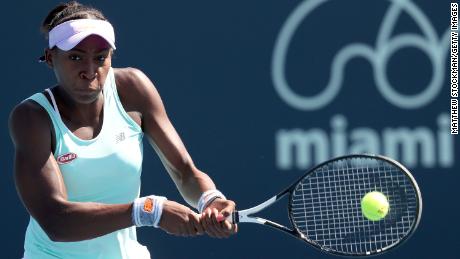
<point>325,206</point>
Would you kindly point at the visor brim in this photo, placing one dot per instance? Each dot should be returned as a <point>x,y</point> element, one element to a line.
<point>74,40</point>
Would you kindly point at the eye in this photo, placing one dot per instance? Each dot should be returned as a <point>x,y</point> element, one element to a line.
<point>101,58</point>
<point>74,57</point>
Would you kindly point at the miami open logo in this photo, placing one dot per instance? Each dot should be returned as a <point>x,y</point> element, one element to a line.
<point>420,146</point>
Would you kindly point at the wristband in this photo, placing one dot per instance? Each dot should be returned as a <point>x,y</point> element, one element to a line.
<point>147,210</point>
<point>207,198</point>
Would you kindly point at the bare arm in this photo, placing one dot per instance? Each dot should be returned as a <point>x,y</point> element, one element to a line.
<point>140,94</point>
<point>190,181</point>
<point>41,187</point>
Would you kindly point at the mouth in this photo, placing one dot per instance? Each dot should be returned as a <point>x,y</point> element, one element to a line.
<point>88,86</point>
<point>86,95</point>
<point>86,91</point>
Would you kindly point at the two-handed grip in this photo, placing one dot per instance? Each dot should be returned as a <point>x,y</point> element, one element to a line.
<point>232,218</point>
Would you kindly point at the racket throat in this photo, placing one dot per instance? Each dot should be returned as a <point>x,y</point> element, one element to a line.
<point>243,218</point>
<point>238,217</point>
<point>278,226</point>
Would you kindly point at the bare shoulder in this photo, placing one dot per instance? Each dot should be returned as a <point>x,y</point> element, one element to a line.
<point>133,79</point>
<point>28,117</point>
<point>136,90</point>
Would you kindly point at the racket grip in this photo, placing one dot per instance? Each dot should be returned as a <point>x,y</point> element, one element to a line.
<point>233,218</point>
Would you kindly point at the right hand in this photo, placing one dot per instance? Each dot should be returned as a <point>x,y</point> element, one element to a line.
<point>180,220</point>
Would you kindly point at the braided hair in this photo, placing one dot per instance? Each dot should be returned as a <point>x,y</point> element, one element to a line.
<point>69,11</point>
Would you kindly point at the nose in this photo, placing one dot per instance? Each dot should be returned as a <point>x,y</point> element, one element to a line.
<point>89,71</point>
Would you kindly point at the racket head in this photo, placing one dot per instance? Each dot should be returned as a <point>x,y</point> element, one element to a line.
<point>325,205</point>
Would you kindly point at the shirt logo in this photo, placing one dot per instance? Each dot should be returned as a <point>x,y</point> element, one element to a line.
<point>119,137</point>
<point>66,158</point>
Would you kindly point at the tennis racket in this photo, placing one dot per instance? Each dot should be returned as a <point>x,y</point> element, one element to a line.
<point>325,206</point>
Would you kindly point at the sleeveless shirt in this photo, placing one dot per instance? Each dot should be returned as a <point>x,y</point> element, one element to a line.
<point>105,169</point>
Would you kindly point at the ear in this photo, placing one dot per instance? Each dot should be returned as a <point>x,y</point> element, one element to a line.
<point>49,57</point>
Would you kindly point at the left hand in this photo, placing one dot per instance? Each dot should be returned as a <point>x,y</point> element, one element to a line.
<point>209,219</point>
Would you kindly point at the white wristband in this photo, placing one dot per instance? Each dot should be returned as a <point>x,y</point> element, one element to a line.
<point>159,208</point>
<point>207,197</point>
<point>147,210</point>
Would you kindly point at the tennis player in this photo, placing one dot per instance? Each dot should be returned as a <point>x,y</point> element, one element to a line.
<point>78,152</point>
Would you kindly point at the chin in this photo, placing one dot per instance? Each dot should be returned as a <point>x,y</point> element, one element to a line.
<point>85,100</point>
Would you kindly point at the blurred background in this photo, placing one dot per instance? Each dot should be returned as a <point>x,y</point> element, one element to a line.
<point>259,92</point>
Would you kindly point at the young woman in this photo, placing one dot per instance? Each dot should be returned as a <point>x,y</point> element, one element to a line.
<point>78,152</point>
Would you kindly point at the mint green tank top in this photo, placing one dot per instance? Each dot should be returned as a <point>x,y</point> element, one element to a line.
<point>106,169</point>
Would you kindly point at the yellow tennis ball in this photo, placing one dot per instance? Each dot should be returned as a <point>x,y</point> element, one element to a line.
<point>374,206</point>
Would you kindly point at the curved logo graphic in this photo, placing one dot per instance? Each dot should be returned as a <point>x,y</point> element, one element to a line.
<point>66,158</point>
<point>386,45</point>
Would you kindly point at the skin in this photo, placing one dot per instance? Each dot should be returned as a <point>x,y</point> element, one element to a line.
<point>81,73</point>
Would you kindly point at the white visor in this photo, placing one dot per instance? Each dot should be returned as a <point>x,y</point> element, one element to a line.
<point>67,35</point>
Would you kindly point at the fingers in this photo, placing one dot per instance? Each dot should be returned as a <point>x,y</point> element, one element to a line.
<point>214,226</point>
<point>197,227</point>
<point>192,226</point>
<point>220,218</point>
<point>228,227</point>
<point>227,211</point>
<point>180,220</point>
<point>208,224</point>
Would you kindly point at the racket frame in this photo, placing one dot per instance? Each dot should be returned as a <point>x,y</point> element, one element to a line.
<point>244,216</point>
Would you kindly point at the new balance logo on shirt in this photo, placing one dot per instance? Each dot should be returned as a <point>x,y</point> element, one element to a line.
<point>119,137</point>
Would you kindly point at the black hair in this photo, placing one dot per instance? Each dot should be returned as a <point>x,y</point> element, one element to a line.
<point>69,11</point>
<point>64,12</point>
